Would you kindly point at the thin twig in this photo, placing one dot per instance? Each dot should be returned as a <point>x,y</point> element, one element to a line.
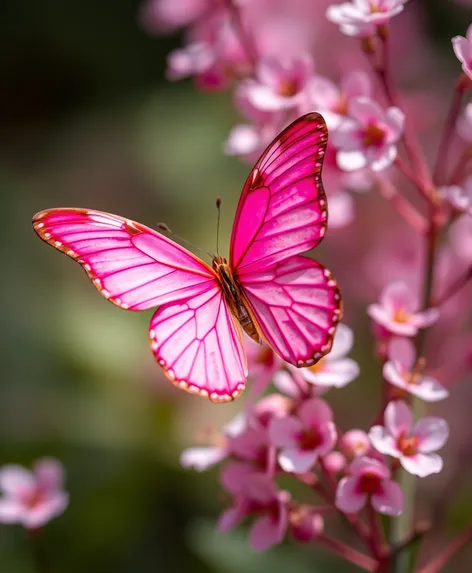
<point>455,287</point>
<point>244,36</point>
<point>348,553</point>
<point>401,204</point>
<point>448,553</point>
<point>448,132</point>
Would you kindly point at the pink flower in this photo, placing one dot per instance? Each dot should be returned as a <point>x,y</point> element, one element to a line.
<point>334,369</point>
<point>32,498</point>
<point>463,50</point>
<point>460,197</point>
<point>188,61</point>
<point>414,448</point>
<point>400,371</point>
<point>360,17</point>
<point>263,363</point>
<point>368,137</point>
<point>369,482</point>
<point>202,458</point>
<point>280,83</point>
<point>355,443</point>
<point>258,495</point>
<point>397,311</point>
<point>304,437</point>
<point>333,101</point>
<point>464,124</point>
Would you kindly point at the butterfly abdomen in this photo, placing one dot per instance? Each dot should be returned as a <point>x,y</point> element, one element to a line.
<point>235,297</point>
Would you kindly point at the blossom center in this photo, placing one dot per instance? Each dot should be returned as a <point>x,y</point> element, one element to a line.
<point>373,136</point>
<point>31,497</point>
<point>288,87</point>
<point>408,446</point>
<point>310,438</point>
<point>318,367</point>
<point>370,483</point>
<point>401,315</point>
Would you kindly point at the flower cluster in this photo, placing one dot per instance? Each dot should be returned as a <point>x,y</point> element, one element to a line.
<point>266,52</point>
<point>293,431</point>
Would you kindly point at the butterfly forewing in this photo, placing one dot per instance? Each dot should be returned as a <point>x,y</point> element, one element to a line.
<point>282,213</point>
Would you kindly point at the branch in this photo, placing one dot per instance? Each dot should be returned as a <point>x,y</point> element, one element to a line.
<point>448,553</point>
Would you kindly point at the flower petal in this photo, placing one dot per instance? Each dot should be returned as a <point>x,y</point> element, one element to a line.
<point>314,411</point>
<point>14,479</point>
<point>390,501</point>
<point>200,459</point>
<point>429,390</point>
<point>432,434</point>
<point>11,511</point>
<point>283,431</point>
<point>41,513</point>
<point>398,418</point>
<point>342,343</point>
<point>264,533</point>
<point>295,460</point>
<point>402,350</point>
<point>383,441</point>
<point>422,465</point>
<point>348,498</point>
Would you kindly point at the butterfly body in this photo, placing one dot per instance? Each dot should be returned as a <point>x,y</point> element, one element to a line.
<point>235,298</point>
<point>267,288</point>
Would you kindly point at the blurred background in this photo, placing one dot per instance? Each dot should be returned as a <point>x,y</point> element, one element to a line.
<point>88,119</point>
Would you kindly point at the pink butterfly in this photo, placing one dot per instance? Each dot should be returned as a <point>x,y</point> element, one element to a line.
<point>268,289</point>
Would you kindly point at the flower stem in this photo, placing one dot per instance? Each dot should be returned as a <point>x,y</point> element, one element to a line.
<point>448,132</point>
<point>406,209</point>
<point>436,565</point>
<point>455,287</point>
<point>36,541</point>
<point>348,553</point>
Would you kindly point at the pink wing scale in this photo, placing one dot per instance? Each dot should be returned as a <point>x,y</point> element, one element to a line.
<point>297,305</point>
<point>199,345</point>
<point>282,210</point>
<point>130,264</point>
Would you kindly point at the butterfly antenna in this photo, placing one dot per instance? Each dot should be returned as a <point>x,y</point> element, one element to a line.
<point>218,206</point>
<point>166,229</point>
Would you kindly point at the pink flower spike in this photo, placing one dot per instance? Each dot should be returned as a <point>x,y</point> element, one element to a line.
<point>368,136</point>
<point>304,437</point>
<point>400,372</point>
<point>32,498</point>
<point>463,50</point>
<point>397,311</point>
<point>414,448</point>
<point>464,124</point>
<point>360,17</point>
<point>369,482</point>
<point>333,102</point>
<point>459,197</point>
<point>334,370</point>
<point>280,83</point>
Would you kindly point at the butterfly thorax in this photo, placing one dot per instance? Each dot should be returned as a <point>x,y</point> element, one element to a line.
<point>235,297</point>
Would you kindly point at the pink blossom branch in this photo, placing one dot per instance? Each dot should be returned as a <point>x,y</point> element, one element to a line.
<point>459,171</point>
<point>348,553</point>
<point>405,209</point>
<point>377,535</point>
<point>412,147</point>
<point>448,132</point>
<point>455,287</point>
<point>244,36</point>
<point>448,553</point>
